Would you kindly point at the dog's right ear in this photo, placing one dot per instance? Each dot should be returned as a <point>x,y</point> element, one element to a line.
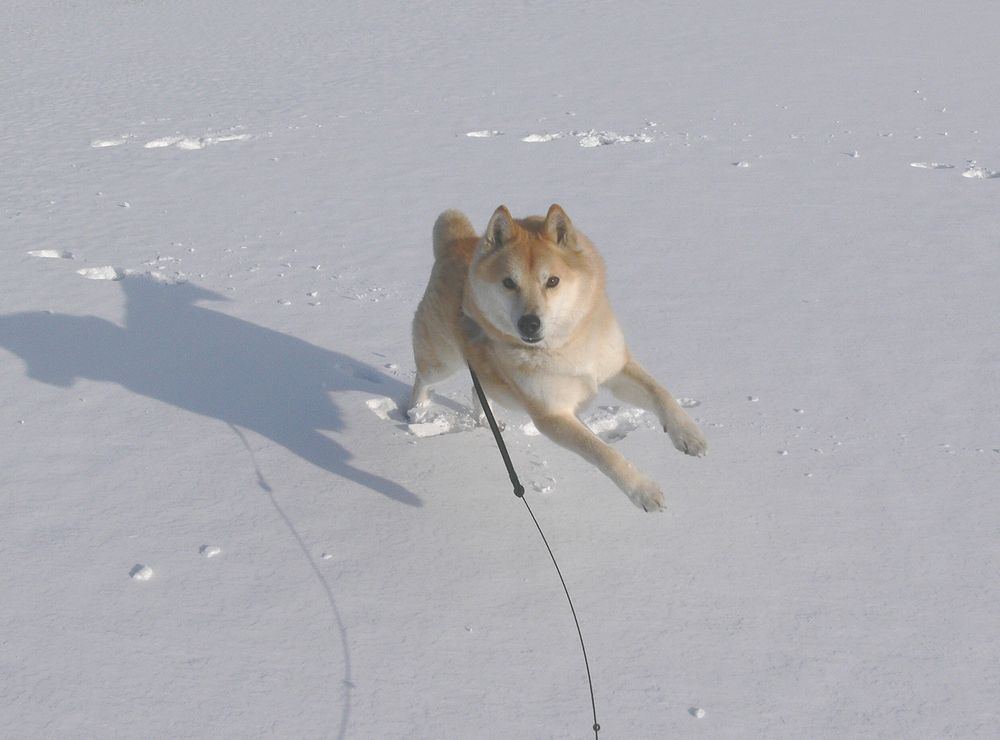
<point>500,229</point>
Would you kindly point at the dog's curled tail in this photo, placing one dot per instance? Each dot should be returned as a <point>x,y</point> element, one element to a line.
<point>449,227</point>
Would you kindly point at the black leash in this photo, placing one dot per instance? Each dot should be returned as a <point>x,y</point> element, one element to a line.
<point>519,492</point>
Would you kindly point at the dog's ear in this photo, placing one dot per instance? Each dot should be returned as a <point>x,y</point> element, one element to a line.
<point>558,228</point>
<point>500,229</point>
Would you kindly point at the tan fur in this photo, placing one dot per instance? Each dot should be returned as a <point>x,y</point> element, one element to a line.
<point>467,315</point>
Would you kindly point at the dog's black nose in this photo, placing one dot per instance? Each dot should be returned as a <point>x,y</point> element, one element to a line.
<point>529,324</point>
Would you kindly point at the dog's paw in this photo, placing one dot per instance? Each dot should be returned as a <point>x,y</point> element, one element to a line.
<point>646,495</point>
<point>417,414</point>
<point>688,438</point>
<point>482,421</point>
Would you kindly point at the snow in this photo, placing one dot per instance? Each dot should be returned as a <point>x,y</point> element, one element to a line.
<point>252,186</point>
<point>141,572</point>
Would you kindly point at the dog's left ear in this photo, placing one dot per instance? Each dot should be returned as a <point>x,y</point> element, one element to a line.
<point>559,228</point>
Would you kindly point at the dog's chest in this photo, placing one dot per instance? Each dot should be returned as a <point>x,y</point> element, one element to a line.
<point>554,381</point>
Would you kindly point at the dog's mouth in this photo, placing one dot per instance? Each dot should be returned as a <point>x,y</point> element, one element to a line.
<point>532,340</point>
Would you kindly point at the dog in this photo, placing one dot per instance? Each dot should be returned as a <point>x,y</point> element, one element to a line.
<point>525,306</point>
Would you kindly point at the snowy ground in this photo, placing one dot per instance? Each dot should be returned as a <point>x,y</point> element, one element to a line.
<point>215,526</point>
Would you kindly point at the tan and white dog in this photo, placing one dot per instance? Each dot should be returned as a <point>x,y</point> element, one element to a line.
<point>525,305</point>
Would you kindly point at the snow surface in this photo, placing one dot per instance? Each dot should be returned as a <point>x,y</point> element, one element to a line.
<point>213,526</point>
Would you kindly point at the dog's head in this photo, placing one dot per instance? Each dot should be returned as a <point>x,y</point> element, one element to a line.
<point>534,279</point>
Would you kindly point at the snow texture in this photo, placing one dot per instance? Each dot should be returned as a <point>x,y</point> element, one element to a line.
<point>799,218</point>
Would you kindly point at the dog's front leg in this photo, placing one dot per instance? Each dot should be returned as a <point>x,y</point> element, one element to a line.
<point>634,385</point>
<point>571,433</point>
<point>479,415</point>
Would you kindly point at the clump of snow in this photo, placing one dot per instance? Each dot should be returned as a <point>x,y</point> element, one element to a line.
<point>594,138</point>
<point>104,143</point>
<point>107,272</point>
<point>529,429</point>
<point>141,572</point>
<point>613,423</point>
<point>979,172</point>
<point>163,141</point>
<point>543,485</point>
<point>190,143</point>
<point>382,407</point>
<point>434,427</point>
<point>56,254</point>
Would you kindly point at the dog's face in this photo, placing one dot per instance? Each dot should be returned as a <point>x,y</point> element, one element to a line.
<point>532,280</point>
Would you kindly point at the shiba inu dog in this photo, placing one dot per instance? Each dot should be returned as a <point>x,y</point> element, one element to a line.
<point>525,306</point>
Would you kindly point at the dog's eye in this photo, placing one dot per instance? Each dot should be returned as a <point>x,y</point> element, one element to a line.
<point>552,282</point>
<point>509,284</point>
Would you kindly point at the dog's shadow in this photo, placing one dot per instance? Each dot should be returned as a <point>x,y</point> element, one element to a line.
<point>200,360</point>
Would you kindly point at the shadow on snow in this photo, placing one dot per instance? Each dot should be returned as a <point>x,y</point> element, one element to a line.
<point>211,364</point>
